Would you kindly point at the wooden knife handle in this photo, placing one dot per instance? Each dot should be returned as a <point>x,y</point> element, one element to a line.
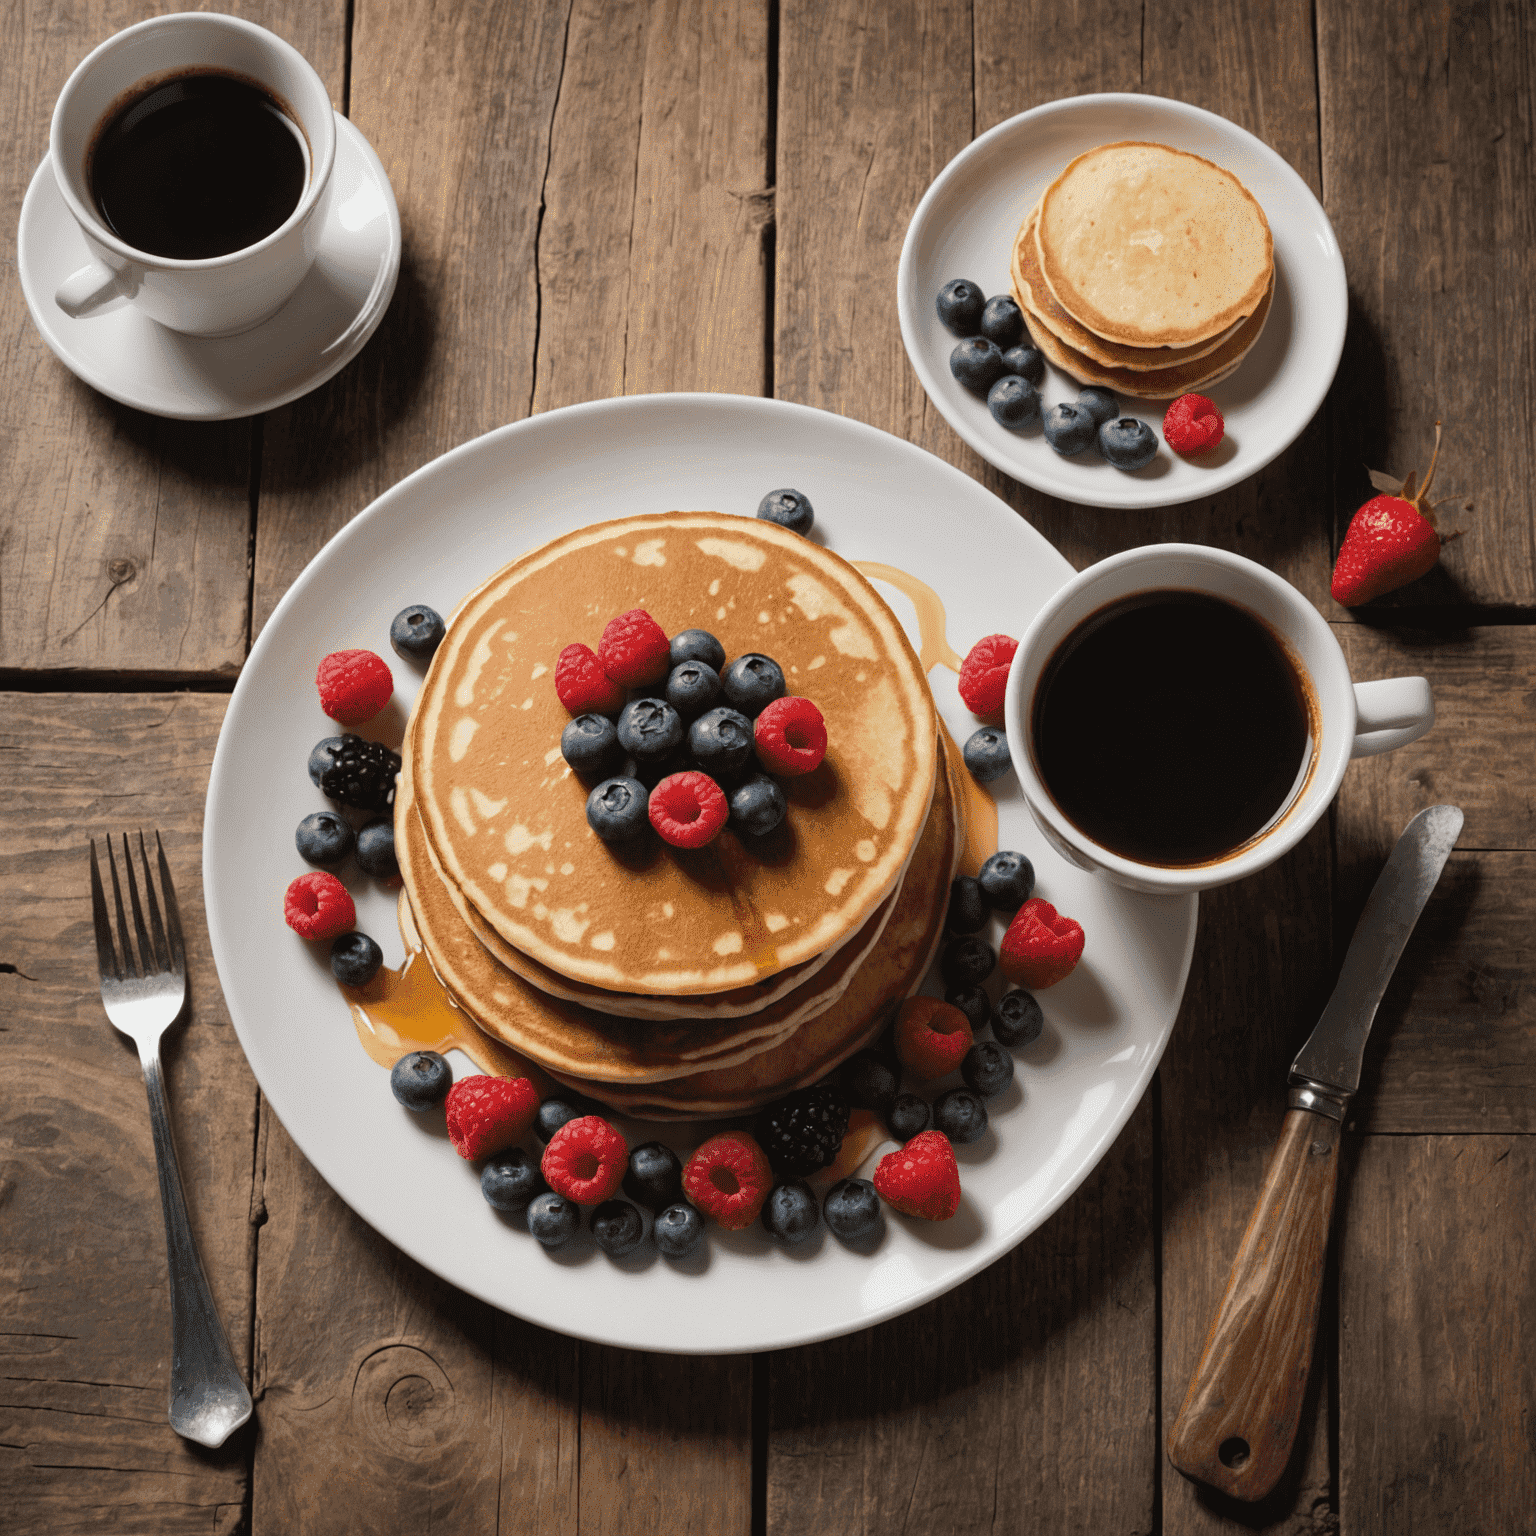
<point>1239,1417</point>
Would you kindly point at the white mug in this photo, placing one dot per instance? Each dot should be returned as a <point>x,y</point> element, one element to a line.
<point>218,295</point>
<point>1352,719</point>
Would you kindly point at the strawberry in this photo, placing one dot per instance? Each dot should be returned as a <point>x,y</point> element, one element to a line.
<point>921,1179</point>
<point>487,1115</point>
<point>1041,946</point>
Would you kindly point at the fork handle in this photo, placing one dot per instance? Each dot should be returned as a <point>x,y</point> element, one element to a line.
<point>208,1395</point>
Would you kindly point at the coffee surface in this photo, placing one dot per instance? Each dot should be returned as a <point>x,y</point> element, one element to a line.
<point>1171,727</point>
<point>197,166</point>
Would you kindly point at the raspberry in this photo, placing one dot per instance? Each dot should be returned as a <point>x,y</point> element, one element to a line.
<point>790,736</point>
<point>1041,947</point>
<point>318,906</point>
<point>586,1160</point>
<point>582,685</point>
<point>487,1115</point>
<point>932,1037</point>
<point>354,685</point>
<point>728,1178</point>
<point>633,650</point>
<point>688,809</point>
<point>1192,424</point>
<point>984,674</point>
<point>921,1179</point>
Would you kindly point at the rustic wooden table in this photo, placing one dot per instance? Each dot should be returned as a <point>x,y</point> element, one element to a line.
<point>613,196</point>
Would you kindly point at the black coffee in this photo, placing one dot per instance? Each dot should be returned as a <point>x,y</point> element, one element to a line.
<point>1171,727</point>
<point>198,166</point>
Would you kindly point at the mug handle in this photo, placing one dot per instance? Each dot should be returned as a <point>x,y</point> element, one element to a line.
<point>91,288</point>
<point>1389,713</point>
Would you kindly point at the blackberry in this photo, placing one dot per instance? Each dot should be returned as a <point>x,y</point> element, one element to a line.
<point>361,773</point>
<point>803,1132</point>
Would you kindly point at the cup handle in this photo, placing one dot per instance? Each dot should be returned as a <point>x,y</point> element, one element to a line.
<point>89,289</point>
<point>1389,713</point>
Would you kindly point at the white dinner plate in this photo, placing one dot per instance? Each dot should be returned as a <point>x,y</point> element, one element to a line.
<point>965,226</point>
<point>431,539</point>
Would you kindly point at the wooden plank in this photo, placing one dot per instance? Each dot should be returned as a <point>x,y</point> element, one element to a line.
<point>1428,172</point>
<point>1437,1387</point>
<point>85,1332</point>
<point>123,537</point>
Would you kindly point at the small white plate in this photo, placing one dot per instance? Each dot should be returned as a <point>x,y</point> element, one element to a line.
<point>131,358</point>
<point>965,227</point>
<point>431,539</point>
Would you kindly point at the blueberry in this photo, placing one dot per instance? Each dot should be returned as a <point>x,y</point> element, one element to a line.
<point>618,809</point>
<point>968,906</point>
<point>973,1002</point>
<point>1099,404</point>
<point>908,1116</point>
<point>421,1080</point>
<point>789,509</point>
<point>869,1081</point>
<point>790,1212</point>
<point>1128,443</point>
<point>555,1112</point>
<point>758,806</point>
<point>678,1231</point>
<point>1017,1018</point>
<point>960,1115</point>
<point>651,774</point>
<point>1007,880</point>
<point>752,682</point>
<point>1068,428</point>
<point>323,755</point>
<point>650,729</point>
<point>590,744</point>
<point>376,849</point>
<point>1026,361</point>
<point>324,839</point>
<point>692,687</point>
<point>966,961</point>
<point>511,1179</point>
<point>986,754</point>
<point>987,1069</point>
<point>977,364</point>
<point>852,1210</point>
<point>618,1228</point>
<point>655,1177</point>
<point>1002,321</point>
<point>355,959</point>
<point>960,304</point>
<point>696,645</point>
<point>553,1219</point>
<point>1013,402</point>
<point>720,741</point>
<point>416,632</point>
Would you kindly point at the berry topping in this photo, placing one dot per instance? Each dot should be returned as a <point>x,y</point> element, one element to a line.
<point>1007,880</point>
<point>582,685</point>
<point>1099,403</point>
<point>634,650</point>
<point>354,685</point>
<point>720,741</point>
<point>802,1132</point>
<point>791,737</point>
<point>961,1115</point>
<point>618,1228</point>
<point>757,806</point>
<point>977,364</point>
<point>728,1178</point>
<point>655,1176</point>
<point>355,959</point>
<point>421,1080</point>
<point>688,809</point>
<point>355,772</point>
<point>585,1160</point>
<point>852,1210</point>
<point>973,1002</point>
<point>692,687</point>
<point>488,1114</point>
<point>1017,1018</point>
<point>696,645</point>
<point>1002,321</point>
<point>986,754</point>
<point>789,509</point>
<point>1025,362</point>
<point>752,682</point>
<point>790,1212</point>
<point>416,632</point>
<point>968,906</point>
<point>650,729</point>
<point>921,1179</point>
<point>1192,424</point>
<point>511,1179</point>
<point>967,961</point>
<point>318,906</point>
<point>1014,402</point>
<point>1127,442</point>
<point>984,673</point>
<point>590,744</point>
<point>553,1219</point>
<point>869,1080</point>
<point>678,1231</point>
<point>324,839</point>
<point>931,1037</point>
<point>1069,428</point>
<point>987,1069</point>
<point>960,304</point>
<point>908,1116</point>
<point>376,849</point>
<point>617,810</point>
<point>1041,947</point>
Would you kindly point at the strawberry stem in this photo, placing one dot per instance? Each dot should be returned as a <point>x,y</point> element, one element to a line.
<point>1429,474</point>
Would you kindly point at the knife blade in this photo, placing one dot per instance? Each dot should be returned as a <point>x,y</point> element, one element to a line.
<point>1238,1422</point>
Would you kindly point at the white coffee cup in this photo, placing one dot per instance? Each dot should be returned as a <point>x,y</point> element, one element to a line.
<point>1351,719</point>
<point>218,295</point>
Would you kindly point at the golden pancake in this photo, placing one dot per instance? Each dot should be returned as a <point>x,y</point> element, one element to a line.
<point>1151,246</point>
<point>506,819</point>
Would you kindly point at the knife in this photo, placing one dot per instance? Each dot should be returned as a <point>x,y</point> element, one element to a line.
<point>1239,1417</point>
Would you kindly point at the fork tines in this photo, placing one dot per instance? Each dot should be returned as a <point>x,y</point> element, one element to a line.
<point>159,945</point>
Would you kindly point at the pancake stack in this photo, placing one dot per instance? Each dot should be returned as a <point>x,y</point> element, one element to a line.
<point>1145,270</point>
<point>672,983</point>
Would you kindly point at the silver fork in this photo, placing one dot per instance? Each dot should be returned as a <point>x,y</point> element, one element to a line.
<point>144,995</point>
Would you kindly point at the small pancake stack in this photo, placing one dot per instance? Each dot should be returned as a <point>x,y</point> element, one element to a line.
<point>673,983</point>
<point>1145,270</point>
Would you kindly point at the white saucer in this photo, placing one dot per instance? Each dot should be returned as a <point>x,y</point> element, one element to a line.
<point>326,323</point>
